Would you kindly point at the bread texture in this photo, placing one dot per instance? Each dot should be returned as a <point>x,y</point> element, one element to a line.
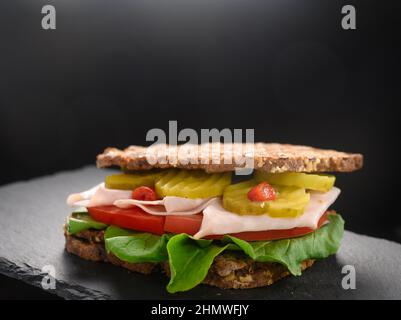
<point>218,157</point>
<point>232,270</point>
<point>89,245</point>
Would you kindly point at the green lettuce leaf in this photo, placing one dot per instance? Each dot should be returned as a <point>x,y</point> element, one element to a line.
<point>190,259</point>
<point>134,247</point>
<point>113,231</point>
<point>80,220</point>
<point>291,252</point>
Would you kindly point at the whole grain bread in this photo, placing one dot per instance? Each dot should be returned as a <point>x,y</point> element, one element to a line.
<point>234,270</point>
<point>86,246</point>
<point>231,270</point>
<point>218,157</point>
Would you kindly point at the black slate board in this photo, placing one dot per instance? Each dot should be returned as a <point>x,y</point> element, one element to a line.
<point>31,236</point>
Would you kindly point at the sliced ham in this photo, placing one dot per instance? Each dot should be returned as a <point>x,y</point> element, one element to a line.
<point>217,220</point>
<point>168,206</point>
<point>97,196</point>
<point>102,196</point>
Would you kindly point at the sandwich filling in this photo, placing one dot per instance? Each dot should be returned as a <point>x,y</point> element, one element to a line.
<point>188,217</point>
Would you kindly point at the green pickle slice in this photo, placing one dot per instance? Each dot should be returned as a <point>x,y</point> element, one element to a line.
<point>290,201</point>
<point>318,182</point>
<point>192,184</point>
<point>130,181</point>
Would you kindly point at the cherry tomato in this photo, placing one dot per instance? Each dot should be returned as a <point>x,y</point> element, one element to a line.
<point>262,192</point>
<point>144,193</point>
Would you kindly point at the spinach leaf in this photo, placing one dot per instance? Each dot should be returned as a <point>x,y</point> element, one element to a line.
<point>134,247</point>
<point>190,261</point>
<point>113,231</point>
<point>291,252</point>
<point>80,220</point>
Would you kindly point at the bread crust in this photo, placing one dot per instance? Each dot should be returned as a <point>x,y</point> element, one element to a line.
<point>95,251</point>
<point>230,270</point>
<point>269,157</point>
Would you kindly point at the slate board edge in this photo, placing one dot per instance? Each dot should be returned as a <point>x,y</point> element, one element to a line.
<point>33,276</point>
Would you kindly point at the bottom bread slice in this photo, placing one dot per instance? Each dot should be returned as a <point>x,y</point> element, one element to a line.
<point>230,270</point>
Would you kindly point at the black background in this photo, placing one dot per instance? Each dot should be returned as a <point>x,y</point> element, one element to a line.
<point>112,70</point>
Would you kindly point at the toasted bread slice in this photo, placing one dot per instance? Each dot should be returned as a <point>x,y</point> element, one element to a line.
<point>87,249</point>
<point>231,270</point>
<point>270,157</point>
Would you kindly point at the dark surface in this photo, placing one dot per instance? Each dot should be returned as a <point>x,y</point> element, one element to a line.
<point>13,289</point>
<point>112,70</point>
<point>32,214</point>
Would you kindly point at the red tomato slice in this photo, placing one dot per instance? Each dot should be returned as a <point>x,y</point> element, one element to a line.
<point>132,218</point>
<point>183,224</point>
<point>191,225</point>
<point>277,234</point>
<point>136,219</point>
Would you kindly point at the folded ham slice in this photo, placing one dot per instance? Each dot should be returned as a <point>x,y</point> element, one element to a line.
<point>217,220</point>
<point>168,206</point>
<point>102,196</point>
<point>97,196</point>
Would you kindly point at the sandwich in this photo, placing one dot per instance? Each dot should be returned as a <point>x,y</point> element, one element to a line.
<point>200,223</point>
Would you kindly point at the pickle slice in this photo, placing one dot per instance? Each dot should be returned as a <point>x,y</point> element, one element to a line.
<point>290,201</point>
<point>288,208</point>
<point>125,181</point>
<point>318,182</point>
<point>192,184</point>
<point>289,192</point>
